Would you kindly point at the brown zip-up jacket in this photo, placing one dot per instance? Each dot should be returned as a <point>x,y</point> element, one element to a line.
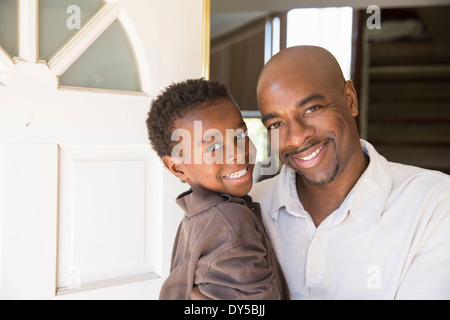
<point>222,247</point>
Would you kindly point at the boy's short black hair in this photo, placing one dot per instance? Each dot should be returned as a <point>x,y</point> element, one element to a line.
<point>174,103</point>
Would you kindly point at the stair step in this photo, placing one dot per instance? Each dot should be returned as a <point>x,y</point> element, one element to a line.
<point>410,73</point>
<point>414,111</point>
<point>412,134</point>
<point>435,158</point>
<point>414,91</point>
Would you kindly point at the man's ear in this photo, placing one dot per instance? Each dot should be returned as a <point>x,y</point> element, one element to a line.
<point>174,167</point>
<point>351,97</point>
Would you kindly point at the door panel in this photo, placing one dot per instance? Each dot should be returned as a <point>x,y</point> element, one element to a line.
<point>28,220</point>
<point>106,225</point>
<point>87,209</point>
<point>45,115</point>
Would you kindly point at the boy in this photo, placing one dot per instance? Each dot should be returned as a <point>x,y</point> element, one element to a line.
<point>221,246</point>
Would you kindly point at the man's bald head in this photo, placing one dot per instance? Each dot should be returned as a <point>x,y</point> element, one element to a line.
<point>300,64</point>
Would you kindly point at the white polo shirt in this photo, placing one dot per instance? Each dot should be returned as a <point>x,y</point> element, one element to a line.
<point>390,238</point>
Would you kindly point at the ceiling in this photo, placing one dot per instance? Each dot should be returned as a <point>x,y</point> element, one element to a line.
<point>224,22</point>
<point>227,15</point>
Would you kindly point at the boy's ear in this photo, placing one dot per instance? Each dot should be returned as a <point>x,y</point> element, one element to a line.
<point>174,167</point>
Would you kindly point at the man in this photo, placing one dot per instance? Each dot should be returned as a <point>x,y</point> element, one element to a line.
<point>344,222</point>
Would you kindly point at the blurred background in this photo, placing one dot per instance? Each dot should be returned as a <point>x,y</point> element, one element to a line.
<point>398,59</point>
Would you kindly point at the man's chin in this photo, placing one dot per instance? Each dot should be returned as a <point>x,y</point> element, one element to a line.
<point>319,179</point>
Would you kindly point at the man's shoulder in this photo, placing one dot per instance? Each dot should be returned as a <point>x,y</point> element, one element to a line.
<point>416,177</point>
<point>426,192</point>
<point>406,176</point>
<point>264,190</point>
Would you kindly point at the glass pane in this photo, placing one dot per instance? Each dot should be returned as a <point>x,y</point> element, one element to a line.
<point>8,26</point>
<point>330,28</point>
<point>59,20</point>
<point>267,164</point>
<point>109,63</point>
<point>258,134</point>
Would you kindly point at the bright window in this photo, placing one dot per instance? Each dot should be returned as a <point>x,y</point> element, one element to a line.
<point>258,134</point>
<point>267,164</point>
<point>330,28</point>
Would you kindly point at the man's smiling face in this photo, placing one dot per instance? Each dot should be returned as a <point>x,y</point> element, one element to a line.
<point>313,111</point>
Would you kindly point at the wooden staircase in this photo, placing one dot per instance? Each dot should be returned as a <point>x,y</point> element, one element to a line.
<point>406,103</point>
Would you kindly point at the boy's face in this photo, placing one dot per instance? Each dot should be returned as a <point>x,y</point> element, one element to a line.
<point>215,152</point>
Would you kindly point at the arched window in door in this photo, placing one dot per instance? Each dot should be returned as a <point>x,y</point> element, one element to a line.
<point>83,42</point>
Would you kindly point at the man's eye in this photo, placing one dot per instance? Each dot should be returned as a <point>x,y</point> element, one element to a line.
<point>242,135</point>
<point>213,147</point>
<point>311,109</point>
<point>273,126</point>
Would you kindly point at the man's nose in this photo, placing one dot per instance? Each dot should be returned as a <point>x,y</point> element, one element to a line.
<point>299,132</point>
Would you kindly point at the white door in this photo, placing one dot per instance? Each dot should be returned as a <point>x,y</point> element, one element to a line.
<point>86,209</point>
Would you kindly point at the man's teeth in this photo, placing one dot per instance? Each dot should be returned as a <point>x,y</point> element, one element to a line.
<point>312,155</point>
<point>237,174</point>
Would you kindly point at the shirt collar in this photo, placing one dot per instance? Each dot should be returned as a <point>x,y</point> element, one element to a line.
<point>197,200</point>
<point>373,188</point>
<point>365,201</point>
<point>286,195</point>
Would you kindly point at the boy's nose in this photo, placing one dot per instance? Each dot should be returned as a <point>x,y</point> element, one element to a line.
<point>237,152</point>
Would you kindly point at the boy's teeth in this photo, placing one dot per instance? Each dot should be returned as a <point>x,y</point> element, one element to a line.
<point>312,155</point>
<point>237,174</point>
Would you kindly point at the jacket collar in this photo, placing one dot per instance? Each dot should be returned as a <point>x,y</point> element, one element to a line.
<point>197,200</point>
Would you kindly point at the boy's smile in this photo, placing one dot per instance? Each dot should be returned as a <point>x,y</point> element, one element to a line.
<point>237,175</point>
<point>218,133</point>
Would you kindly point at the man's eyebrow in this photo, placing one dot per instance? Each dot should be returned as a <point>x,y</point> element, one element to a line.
<point>269,116</point>
<point>314,96</point>
<point>240,125</point>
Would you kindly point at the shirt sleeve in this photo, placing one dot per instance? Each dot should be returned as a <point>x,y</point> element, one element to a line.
<point>240,272</point>
<point>428,276</point>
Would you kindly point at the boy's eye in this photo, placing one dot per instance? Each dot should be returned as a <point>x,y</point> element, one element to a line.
<point>213,147</point>
<point>242,135</point>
